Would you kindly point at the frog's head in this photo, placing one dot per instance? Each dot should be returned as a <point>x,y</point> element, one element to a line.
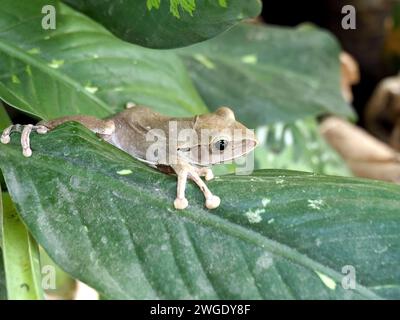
<point>220,138</point>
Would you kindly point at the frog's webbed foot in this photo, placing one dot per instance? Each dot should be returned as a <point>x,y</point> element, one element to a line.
<point>185,171</point>
<point>25,135</point>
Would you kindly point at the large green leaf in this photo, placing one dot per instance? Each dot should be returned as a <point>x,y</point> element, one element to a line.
<point>21,256</point>
<point>269,74</point>
<point>277,234</point>
<point>160,28</point>
<point>81,68</point>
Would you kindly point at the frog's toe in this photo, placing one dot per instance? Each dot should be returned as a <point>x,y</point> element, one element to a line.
<point>206,173</point>
<point>5,139</point>
<point>130,105</point>
<point>25,141</point>
<point>27,152</point>
<point>209,175</point>
<point>41,129</point>
<point>180,203</point>
<point>213,202</point>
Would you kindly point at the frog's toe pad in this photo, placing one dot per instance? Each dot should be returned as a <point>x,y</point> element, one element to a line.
<point>180,203</point>
<point>130,105</point>
<point>5,139</point>
<point>213,202</point>
<point>41,129</point>
<point>209,175</point>
<point>27,152</point>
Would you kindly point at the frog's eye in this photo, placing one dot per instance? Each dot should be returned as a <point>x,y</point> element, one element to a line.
<point>221,145</point>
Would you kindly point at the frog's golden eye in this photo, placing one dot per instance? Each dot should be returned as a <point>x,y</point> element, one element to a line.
<point>221,145</point>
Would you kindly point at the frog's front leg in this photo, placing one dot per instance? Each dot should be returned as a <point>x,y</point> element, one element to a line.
<point>212,201</point>
<point>181,171</point>
<point>184,171</point>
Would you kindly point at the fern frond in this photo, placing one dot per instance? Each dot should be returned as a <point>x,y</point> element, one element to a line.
<point>186,5</point>
<point>153,4</point>
<point>223,3</point>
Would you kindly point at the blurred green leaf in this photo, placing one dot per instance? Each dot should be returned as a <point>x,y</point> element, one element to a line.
<point>269,74</point>
<point>396,15</point>
<point>80,68</point>
<point>20,254</point>
<point>65,285</point>
<point>5,120</point>
<point>277,234</point>
<point>159,28</point>
<point>3,288</point>
<point>297,146</point>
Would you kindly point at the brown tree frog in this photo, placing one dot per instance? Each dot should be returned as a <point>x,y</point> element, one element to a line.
<point>184,146</point>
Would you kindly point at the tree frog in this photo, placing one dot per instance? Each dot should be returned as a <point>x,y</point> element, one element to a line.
<point>158,140</point>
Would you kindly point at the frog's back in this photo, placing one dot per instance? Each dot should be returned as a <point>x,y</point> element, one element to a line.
<point>135,129</point>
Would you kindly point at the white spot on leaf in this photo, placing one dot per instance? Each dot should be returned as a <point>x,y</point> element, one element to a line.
<point>15,79</point>
<point>204,61</point>
<point>91,89</point>
<point>28,70</point>
<point>265,201</point>
<point>315,204</point>
<point>250,59</point>
<point>34,51</point>
<point>327,281</point>
<point>381,249</point>
<point>254,216</point>
<point>124,172</point>
<point>264,262</point>
<point>55,64</point>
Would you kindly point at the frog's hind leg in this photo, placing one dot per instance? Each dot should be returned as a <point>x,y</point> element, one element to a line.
<point>5,137</point>
<point>99,126</point>
<point>104,128</point>
<point>25,136</point>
